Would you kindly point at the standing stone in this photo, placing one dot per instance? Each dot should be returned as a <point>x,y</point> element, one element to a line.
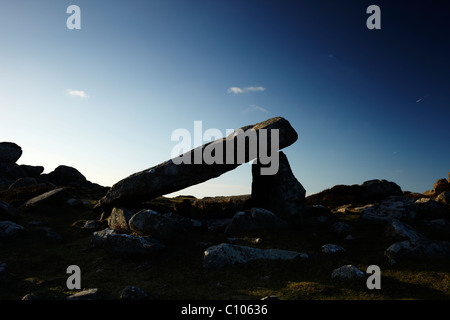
<point>119,218</point>
<point>280,193</point>
<point>169,176</point>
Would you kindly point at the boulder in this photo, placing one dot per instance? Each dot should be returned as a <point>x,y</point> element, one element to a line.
<point>9,152</point>
<point>176,174</point>
<point>10,229</point>
<point>152,223</point>
<point>119,218</point>
<point>65,176</point>
<point>422,249</point>
<point>444,198</point>
<point>124,245</point>
<point>396,230</point>
<point>347,273</point>
<point>280,193</point>
<point>225,254</point>
<point>32,171</point>
<point>253,220</point>
<point>440,186</point>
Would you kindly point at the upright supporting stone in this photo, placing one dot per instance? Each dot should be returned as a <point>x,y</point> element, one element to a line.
<point>281,193</point>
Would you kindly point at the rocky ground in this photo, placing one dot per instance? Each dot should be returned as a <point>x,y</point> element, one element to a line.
<point>267,244</point>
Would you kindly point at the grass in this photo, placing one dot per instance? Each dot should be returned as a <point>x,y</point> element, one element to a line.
<point>36,266</point>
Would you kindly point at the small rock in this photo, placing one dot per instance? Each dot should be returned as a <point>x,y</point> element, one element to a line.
<point>133,293</point>
<point>89,294</point>
<point>91,226</point>
<point>99,237</point>
<point>332,248</point>
<point>347,273</point>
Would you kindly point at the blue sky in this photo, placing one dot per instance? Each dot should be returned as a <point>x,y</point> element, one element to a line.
<point>367,104</point>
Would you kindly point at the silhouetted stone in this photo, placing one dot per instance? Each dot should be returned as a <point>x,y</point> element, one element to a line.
<point>169,177</point>
<point>65,176</point>
<point>9,152</point>
<point>280,193</point>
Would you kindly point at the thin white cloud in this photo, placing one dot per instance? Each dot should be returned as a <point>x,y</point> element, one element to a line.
<point>237,90</point>
<point>77,93</point>
<point>254,107</point>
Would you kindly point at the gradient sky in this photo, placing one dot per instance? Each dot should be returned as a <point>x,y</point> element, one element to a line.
<point>367,104</point>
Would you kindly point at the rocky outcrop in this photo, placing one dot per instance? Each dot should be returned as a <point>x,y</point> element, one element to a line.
<point>225,254</point>
<point>172,175</point>
<point>393,207</point>
<point>280,193</point>
<point>368,192</point>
